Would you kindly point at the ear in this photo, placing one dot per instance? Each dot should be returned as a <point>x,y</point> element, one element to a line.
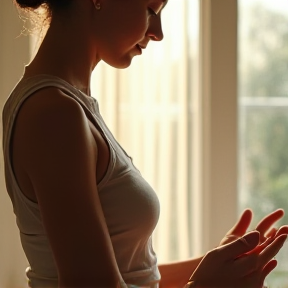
<point>97,4</point>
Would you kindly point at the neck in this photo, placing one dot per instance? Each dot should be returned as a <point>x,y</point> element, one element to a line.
<point>65,53</point>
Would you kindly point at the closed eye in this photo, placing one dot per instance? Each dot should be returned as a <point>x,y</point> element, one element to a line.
<point>152,12</point>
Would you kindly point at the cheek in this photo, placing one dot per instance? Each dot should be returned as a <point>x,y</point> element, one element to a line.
<point>136,22</point>
<point>140,27</point>
<point>136,19</point>
<point>131,29</point>
<point>125,25</point>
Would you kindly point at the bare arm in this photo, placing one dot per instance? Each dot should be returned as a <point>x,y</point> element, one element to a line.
<point>60,159</point>
<point>177,274</point>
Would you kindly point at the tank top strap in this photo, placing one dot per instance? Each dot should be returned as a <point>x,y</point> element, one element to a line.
<point>33,84</point>
<point>26,87</point>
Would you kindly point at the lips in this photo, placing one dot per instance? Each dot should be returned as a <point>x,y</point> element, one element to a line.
<point>139,48</point>
<point>142,47</point>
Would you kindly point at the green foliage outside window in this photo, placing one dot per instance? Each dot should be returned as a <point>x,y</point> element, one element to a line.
<point>263,75</point>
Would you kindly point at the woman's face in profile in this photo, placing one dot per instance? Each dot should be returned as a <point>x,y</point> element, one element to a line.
<point>126,26</point>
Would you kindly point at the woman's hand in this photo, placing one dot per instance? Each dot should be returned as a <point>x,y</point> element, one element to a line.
<point>233,265</point>
<point>267,234</point>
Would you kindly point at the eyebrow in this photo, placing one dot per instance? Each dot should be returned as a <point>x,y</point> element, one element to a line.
<point>165,3</point>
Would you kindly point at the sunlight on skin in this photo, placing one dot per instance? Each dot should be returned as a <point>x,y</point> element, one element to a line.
<point>267,233</point>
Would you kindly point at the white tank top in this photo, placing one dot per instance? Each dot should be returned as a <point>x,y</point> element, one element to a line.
<point>130,206</point>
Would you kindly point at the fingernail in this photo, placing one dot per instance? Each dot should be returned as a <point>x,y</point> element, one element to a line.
<point>190,284</point>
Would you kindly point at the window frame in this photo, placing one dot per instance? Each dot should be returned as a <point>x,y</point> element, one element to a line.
<point>216,127</point>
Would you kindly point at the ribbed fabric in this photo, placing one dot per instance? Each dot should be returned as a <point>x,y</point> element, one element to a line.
<point>130,206</point>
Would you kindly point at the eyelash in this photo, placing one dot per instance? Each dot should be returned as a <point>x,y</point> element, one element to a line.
<point>152,12</point>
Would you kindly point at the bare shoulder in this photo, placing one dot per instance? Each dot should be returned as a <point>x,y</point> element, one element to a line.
<point>59,155</point>
<point>49,121</point>
<point>51,106</point>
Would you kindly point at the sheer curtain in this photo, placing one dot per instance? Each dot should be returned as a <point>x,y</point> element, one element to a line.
<point>149,109</point>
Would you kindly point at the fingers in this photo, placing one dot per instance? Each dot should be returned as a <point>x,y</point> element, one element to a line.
<point>274,233</point>
<point>241,245</point>
<point>240,228</point>
<point>271,233</point>
<point>268,221</point>
<point>282,230</point>
<point>271,250</point>
<point>268,269</point>
<point>260,247</point>
<point>252,262</point>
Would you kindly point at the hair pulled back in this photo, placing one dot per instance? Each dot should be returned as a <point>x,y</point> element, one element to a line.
<point>32,4</point>
<point>40,11</point>
<point>48,4</point>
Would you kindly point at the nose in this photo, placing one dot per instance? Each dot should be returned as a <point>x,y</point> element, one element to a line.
<point>154,31</point>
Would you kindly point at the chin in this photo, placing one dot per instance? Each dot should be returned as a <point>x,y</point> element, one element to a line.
<point>122,64</point>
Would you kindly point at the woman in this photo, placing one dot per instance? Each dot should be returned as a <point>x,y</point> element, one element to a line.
<point>84,212</point>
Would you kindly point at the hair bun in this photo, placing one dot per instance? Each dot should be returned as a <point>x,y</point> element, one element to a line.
<point>34,4</point>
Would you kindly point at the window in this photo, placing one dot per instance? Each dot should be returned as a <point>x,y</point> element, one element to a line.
<point>263,114</point>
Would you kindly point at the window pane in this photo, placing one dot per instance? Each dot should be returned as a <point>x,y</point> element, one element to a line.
<point>148,108</point>
<point>263,114</point>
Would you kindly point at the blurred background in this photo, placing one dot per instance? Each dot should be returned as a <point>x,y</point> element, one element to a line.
<point>204,114</point>
<point>263,113</point>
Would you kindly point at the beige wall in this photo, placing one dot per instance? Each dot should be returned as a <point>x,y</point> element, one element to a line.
<point>14,53</point>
